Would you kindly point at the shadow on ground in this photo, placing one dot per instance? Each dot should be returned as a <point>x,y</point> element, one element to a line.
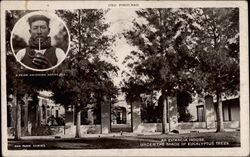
<point>224,139</point>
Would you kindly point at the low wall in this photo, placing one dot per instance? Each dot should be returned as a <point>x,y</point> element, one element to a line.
<point>48,130</point>
<point>121,127</point>
<point>58,130</point>
<point>149,127</point>
<point>24,132</point>
<point>154,127</point>
<point>210,125</point>
<point>191,125</point>
<point>85,129</point>
<point>232,124</point>
<point>157,127</point>
<point>142,128</point>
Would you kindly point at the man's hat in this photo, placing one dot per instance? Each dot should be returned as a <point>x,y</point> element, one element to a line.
<point>38,17</point>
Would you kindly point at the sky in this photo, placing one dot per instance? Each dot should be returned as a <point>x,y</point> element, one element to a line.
<point>120,19</point>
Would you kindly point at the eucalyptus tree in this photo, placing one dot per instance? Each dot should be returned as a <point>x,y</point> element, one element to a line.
<point>88,76</point>
<point>163,60</point>
<point>217,49</point>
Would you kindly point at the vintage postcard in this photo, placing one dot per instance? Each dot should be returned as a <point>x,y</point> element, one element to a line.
<point>124,78</point>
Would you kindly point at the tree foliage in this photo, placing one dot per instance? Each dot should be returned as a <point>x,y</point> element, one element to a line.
<point>163,59</point>
<point>218,52</point>
<point>87,76</point>
<point>217,49</point>
<point>186,49</point>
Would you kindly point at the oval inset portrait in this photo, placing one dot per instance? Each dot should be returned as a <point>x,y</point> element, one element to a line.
<point>40,41</point>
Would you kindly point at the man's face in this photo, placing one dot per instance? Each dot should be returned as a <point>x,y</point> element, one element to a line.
<point>39,29</point>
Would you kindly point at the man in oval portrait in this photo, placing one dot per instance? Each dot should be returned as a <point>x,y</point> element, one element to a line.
<point>40,54</point>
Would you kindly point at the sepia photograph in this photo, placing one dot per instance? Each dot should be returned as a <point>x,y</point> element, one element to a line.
<point>31,40</point>
<point>128,76</point>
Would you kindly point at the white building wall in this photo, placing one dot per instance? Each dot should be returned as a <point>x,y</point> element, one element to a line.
<point>192,110</point>
<point>192,107</point>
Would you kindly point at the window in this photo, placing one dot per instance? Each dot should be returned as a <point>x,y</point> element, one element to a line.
<point>200,114</point>
<point>43,111</point>
<point>119,115</point>
<point>9,116</point>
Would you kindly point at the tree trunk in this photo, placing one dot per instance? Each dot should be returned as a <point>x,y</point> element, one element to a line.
<point>219,114</point>
<point>78,122</point>
<point>164,113</point>
<point>18,119</point>
<point>168,115</point>
<point>36,123</point>
<point>25,116</point>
